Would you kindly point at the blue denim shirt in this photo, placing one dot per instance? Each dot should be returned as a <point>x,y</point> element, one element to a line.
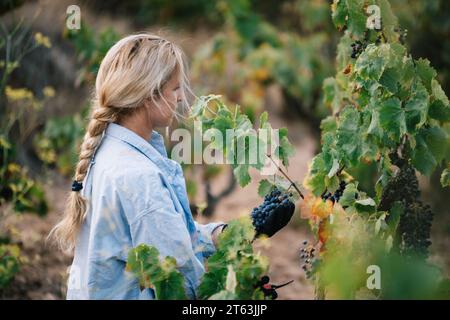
<point>135,194</point>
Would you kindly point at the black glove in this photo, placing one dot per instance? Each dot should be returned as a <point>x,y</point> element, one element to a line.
<point>275,212</point>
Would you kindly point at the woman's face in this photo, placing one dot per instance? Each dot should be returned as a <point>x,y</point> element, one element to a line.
<point>162,116</point>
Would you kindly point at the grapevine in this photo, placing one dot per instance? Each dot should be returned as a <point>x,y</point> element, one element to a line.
<point>386,108</point>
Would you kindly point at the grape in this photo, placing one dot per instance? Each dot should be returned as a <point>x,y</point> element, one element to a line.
<point>308,258</point>
<point>337,194</point>
<point>415,221</point>
<point>272,201</point>
<point>357,48</point>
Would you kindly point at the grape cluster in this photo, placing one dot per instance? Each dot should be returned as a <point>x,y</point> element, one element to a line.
<point>414,227</point>
<point>336,195</point>
<point>357,48</point>
<point>269,290</point>
<point>307,256</point>
<point>402,187</point>
<point>275,200</point>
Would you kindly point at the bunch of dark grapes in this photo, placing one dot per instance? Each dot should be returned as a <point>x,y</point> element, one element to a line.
<point>334,197</point>
<point>272,201</point>
<point>307,256</point>
<point>414,227</point>
<point>357,48</point>
<point>402,187</point>
<point>269,290</point>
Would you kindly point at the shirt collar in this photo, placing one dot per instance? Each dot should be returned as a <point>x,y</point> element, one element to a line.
<point>154,149</point>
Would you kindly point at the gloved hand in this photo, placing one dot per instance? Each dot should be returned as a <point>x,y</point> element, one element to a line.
<point>275,212</point>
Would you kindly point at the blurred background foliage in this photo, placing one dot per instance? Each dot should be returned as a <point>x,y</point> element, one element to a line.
<point>248,51</point>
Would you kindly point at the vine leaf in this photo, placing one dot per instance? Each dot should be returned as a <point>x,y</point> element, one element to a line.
<point>425,72</point>
<point>392,118</point>
<point>416,107</point>
<point>162,276</point>
<point>242,175</point>
<point>431,147</point>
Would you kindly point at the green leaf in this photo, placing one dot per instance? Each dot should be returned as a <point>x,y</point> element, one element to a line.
<point>356,17</point>
<point>243,123</point>
<point>438,93</point>
<point>315,180</point>
<point>431,146</point>
<point>339,14</point>
<point>439,111</point>
<point>264,187</point>
<point>437,142</point>
<point>224,121</point>
<point>445,178</point>
<point>347,134</point>
<point>388,20</point>
<point>332,183</point>
<point>371,64</point>
<point>348,196</point>
<point>440,107</point>
<point>392,118</point>
<point>201,103</point>
<point>374,126</point>
<point>366,202</point>
<point>333,169</point>
<point>234,250</point>
<point>425,72</point>
<point>332,96</point>
<point>350,14</point>
<point>279,182</point>
<point>242,175</point>
<point>328,125</point>
<point>285,149</point>
<point>416,107</point>
<point>168,283</point>
<point>389,79</point>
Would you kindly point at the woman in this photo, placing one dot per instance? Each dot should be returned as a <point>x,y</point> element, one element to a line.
<point>126,191</point>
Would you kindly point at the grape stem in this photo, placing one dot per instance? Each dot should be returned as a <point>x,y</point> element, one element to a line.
<point>281,285</point>
<point>286,176</point>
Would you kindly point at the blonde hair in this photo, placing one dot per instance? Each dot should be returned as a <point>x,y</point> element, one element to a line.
<point>133,70</point>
